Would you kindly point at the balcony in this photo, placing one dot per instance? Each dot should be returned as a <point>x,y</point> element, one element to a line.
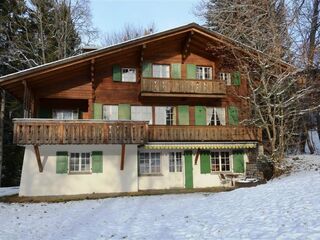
<point>51,131</point>
<point>203,133</point>
<point>182,88</point>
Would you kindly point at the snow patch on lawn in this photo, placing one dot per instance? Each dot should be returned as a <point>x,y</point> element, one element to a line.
<point>7,191</point>
<point>285,208</point>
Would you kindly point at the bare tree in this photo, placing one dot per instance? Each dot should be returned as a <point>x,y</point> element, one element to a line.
<point>276,96</point>
<point>128,32</point>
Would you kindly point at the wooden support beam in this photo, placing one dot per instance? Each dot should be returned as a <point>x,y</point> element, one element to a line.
<point>186,47</point>
<point>37,152</point>
<point>92,99</point>
<point>25,97</point>
<point>197,156</point>
<point>123,155</point>
<point>143,47</point>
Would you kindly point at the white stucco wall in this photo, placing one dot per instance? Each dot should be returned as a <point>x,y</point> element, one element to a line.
<point>34,183</point>
<point>166,180</point>
<point>209,179</point>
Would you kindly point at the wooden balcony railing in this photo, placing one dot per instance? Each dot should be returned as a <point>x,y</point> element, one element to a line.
<point>203,133</point>
<point>50,131</point>
<point>179,87</point>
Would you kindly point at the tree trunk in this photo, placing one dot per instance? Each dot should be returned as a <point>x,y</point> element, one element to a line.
<point>2,109</point>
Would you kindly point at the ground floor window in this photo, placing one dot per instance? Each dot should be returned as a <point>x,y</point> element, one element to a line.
<point>175,162</point>
<point>220,161</point>
<point>80,162</point>
<point>149,163</point>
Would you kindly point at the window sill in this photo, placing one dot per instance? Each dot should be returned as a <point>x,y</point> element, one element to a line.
<point>151,175</point>
<point>79,173</point>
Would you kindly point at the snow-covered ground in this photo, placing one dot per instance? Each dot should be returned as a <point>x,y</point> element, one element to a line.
<point>286,208</point>
<point>7,191</point>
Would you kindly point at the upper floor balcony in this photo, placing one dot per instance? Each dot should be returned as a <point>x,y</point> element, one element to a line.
<point>182,88</point>
<point>53,132</point>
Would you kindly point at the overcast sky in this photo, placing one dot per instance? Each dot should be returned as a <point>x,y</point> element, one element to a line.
<point>111,15</point>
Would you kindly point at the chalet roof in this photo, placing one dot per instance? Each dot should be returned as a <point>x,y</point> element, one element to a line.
<point>7,81</point>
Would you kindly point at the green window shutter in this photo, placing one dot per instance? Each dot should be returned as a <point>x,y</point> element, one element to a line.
<point>183,115</point>
<point>176,70</point>
<point>233,114</point>
<point>236,78</point>
<point>191,71</point>
<point>188,169</point>
<point>62,162</point>
<point>116,73</point>
<point>124,112</point>
<point>238,162</point>
<point>45,112</point>
<point>97,111</point>
<point>200,115</point>
<point>97,162</point>
<point>205,165</point>
<point>147,70</point>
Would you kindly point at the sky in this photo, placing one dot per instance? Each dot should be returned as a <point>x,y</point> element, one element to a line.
<point>111,15</point>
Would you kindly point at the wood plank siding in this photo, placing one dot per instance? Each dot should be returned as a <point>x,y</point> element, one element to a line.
<point>171,87</point>
<point>49,131</point>
<point>203,133</point>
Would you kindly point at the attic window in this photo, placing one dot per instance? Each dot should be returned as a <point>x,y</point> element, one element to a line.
<point>204,73</point>
<point>161,71</point>
<point>129,75</point>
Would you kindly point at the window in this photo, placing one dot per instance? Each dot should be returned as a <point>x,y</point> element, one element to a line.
<point>220,161</point>
<point>141,113</point>
<point>170,116</point>
<point>110,112</point>
<point>160,71</point>
<point>165,115</point>
<point>149,163</point>
<point>79,162</point>
<point>216,116</point>
<point>65,114</point>
<point>129,75</point>
<point>175,162</point>
<point>226,77</point>
<point>204,73</point>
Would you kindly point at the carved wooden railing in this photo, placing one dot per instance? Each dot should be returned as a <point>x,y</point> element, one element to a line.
<point>203,133</point>
<point>179,86</point>
<point>50,131</point>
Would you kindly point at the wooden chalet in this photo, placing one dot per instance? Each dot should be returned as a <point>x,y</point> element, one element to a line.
<point>156,112</point>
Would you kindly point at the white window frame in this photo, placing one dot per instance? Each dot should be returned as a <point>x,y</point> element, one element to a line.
<point>174,157</point>
<point>110,112</point>
<point>144,115</point>
<point>226,77</point>
<point>170,116</point>
<point>149,168</point>
<point>62,113</point>
<point>128,75</point>
<point>216,120</point>
<point>204,72</point>
<point>220,161</point>
<point>162,72</point>
<point>80,158</point>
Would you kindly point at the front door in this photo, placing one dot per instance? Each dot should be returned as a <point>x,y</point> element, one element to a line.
<point>188,169</point>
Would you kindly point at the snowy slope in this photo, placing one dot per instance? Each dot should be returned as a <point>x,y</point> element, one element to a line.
<point>288,208</point>
<point>7,191</point>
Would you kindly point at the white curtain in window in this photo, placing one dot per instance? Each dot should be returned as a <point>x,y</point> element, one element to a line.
<point>209,115</point>
<point>141,113</point>
<point>160,117</point>
<point>110,112</point>
<point>221,113</point>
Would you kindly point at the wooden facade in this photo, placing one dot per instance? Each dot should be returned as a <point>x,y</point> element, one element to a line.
<point>81,82</point>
